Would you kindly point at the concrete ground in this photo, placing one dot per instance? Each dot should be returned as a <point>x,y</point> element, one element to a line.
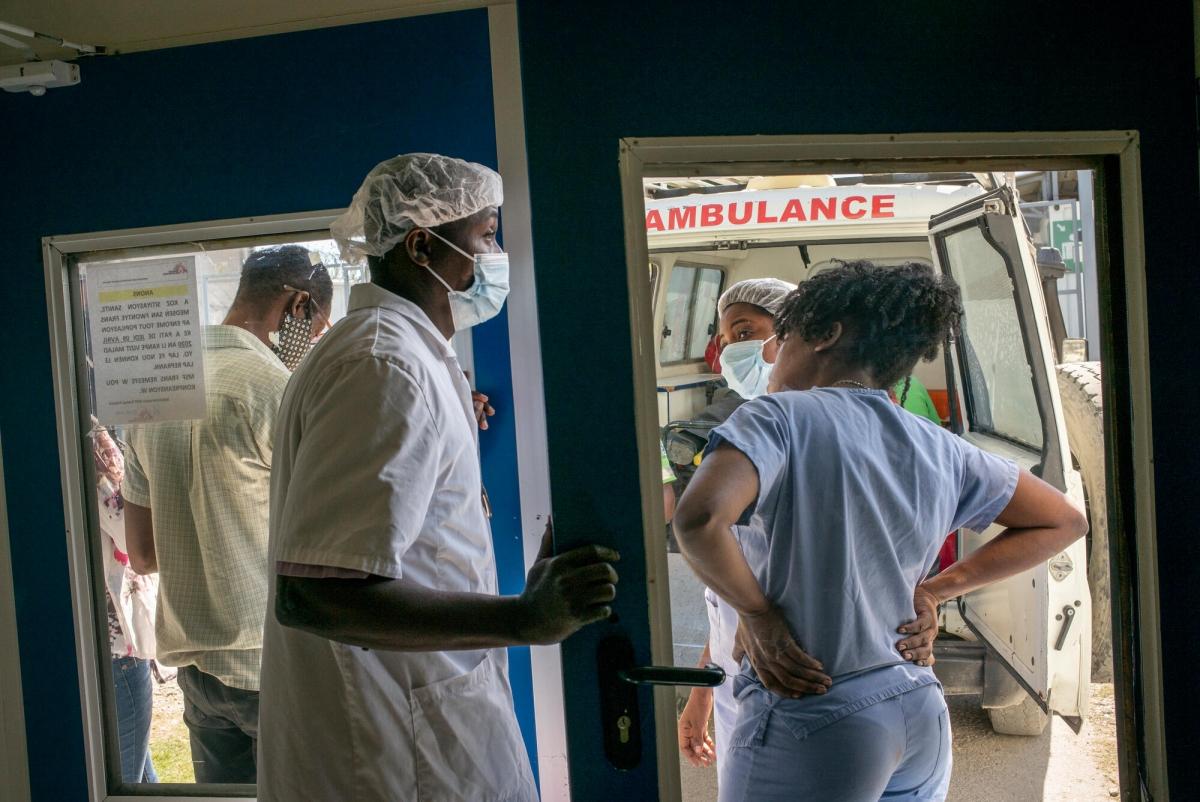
<point>1057,766</point>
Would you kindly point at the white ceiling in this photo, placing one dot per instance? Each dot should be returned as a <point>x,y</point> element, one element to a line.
<point>128,25</point>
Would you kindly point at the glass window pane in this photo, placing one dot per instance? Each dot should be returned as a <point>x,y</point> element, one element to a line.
<point>675,316</point>
<point>132,324</point>
<point>998,374</point>
<point>704,312</point>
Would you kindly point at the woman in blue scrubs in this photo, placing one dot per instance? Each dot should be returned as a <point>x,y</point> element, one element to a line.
<point>844,500</point>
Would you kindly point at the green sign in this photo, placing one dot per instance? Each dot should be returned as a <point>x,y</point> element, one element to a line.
<point>1064,235</point>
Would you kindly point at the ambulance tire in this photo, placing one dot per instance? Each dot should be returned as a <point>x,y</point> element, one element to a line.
<point>1083,408</point>
<point>1025,718</point>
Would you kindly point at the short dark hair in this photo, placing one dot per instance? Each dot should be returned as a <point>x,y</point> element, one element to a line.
<point>267,270</point>
<point>894,316</point>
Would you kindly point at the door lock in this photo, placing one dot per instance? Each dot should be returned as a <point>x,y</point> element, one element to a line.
<point>623,725</point>
<point>620,677</point>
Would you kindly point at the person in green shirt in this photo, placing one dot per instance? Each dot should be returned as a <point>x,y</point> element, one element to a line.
<point>668,479</point>
<point>913,396</point>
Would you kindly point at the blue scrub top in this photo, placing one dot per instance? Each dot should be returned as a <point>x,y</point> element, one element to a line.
<point>856,497</point>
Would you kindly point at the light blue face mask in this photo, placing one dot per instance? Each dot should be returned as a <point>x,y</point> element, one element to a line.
<point>744,368</point>
<point>484,298</point>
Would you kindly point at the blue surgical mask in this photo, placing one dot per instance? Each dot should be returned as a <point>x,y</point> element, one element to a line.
<point>483,299</point>
<point>744,368</point>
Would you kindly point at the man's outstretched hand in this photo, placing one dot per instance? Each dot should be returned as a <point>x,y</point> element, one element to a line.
<point>567,591</point>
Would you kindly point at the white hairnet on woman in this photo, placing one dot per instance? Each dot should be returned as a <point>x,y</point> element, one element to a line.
<point>413,190</point>
<point>767,293</point>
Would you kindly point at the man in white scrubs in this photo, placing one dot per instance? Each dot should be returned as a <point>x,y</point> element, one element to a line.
<point>384,671</point>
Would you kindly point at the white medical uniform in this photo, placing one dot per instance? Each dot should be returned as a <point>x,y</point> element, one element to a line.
<point>376,470</point>
<point>722,631</point>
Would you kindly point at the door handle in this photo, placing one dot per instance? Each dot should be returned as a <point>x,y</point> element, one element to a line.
<point>710,676</point>
<point>1067,616</point>
<point>619,677</point>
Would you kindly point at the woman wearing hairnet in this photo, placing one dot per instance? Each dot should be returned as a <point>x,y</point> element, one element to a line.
<point>384,673</point>
<point>746,320</point>
<point>746,313</point>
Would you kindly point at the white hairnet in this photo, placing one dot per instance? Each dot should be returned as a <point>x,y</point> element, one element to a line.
<point>410,191</point>
<point>765,292</point>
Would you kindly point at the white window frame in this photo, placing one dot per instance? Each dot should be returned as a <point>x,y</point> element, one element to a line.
<point>643,158</point>
<point>57,254</point>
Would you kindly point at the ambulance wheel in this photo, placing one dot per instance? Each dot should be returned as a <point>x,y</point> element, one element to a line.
<point>1083,408</point>
<point>1025,718</point>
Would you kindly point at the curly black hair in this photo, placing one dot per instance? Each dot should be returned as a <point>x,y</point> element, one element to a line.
<point>893,316</point>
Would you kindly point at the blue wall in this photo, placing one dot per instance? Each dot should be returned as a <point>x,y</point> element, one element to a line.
<point>258,126</point>
<point>291,123</point>
<point>594,73</point>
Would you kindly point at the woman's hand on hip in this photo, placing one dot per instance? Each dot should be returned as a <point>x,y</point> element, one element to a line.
<point>782,666</point>
<point>920,633</point>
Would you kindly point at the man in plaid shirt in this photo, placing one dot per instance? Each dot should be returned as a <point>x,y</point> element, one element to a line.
<point>196,502</point>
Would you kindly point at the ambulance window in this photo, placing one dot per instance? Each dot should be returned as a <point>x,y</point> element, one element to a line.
<point>690,315</point>
<point>704,312</point>
<point>999,380</point>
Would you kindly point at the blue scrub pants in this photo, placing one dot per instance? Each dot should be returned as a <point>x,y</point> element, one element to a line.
<point>896,749</point>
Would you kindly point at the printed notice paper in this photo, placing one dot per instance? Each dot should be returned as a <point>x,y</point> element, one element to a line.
<point>147,353</point>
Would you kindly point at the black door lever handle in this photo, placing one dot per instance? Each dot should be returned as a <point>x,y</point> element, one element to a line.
<point>708,677</point>
<point>619,677</point>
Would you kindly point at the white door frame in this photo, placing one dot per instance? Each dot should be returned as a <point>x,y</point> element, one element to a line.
<point>56,254</point>
<point>781,155</point>
<point>529,407</point>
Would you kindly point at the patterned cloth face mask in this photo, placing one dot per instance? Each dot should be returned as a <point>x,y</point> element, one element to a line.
<point>293,341</point>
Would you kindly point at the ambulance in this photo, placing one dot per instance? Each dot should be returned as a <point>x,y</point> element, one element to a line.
<point>1023,645</point>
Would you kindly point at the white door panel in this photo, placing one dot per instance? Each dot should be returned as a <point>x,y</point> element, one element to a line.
<point>1037,622</point>
<point>1006,615</point>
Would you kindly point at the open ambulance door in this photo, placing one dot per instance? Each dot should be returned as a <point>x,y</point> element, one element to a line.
<point>1004,399</point>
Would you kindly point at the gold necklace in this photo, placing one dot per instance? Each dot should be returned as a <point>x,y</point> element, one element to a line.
<point>859,385</point>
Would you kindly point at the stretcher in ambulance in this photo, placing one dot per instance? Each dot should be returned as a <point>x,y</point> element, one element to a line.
<point>1023,644</point>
